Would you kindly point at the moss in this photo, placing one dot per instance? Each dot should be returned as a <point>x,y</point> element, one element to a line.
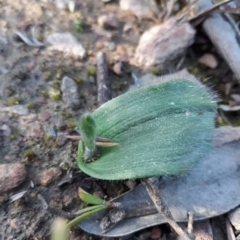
<point>56,84</point>
<point>91,71</point>
<point>12,137</point>
<point>154,72</point>
<point>79,80</point>
<point>66,114</point>
<point>221,122</point>
<point>13,100</point>
<point>193,70</point>
<point>54,94</point>
<point>29,153</point>
<point>30,104</point>
<point>44,93</point>
<point>72,124</point>
<point>59,74</point>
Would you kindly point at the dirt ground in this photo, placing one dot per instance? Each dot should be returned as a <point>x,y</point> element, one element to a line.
<point>26,75</point>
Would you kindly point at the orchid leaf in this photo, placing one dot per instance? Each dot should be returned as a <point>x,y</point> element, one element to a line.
<point>161,130</point>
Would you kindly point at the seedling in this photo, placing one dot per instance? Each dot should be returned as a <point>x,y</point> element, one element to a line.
<point>160,130</point>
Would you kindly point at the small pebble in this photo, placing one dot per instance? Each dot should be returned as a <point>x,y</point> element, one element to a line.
<point>108,21</point>
<point>130,184</point>
<point>111,46</point>
<point>91,79</point>
<point>117,68</point>
<point>17,109</point>
<point>44,116</point>
<point>70,93</point>
<point>49,175</point>
<point>11,176</point>
<point>61,139</point>
<point>122,52</point>
<point>99,44</point>
<point>127,27</point>
<point>208,60</point>
<point>6,130</point>
<point>34,130</point>
<point>66,43</point>
<point>103,33</point>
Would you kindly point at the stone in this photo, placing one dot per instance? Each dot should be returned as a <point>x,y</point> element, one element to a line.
<point>61,139</point>
<point>140,8</point>
<point>49,175</point>
<point>44,116</point>
<point>6,130</point>
<point>117,68</point>
<point>208,60</point>
<point>111,46</point>
<point>70,93</point>
<point>67,44</point>
<point>11,176</point>
<point>163,43</point>
<point>17,109</point>
<point>108,21</point>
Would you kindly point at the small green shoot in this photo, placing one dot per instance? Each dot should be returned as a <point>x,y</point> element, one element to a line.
<point>85,215</point>
<point>78,25</point>
<point>88,198</point>
<point>88,127</point>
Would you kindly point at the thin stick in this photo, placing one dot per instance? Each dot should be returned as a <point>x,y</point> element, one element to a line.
<point>102,76</point>
<point>154,193</point>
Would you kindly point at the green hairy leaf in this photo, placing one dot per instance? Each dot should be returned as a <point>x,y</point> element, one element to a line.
<point>162,129</point>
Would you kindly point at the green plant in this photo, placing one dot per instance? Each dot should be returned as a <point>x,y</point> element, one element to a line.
<point>161,130</point>
<point>78,25</point>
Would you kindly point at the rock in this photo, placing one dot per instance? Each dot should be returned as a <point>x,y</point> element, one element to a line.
<point>63,4</point>
<point>111,46</point>
<point>103,33</point>
<point>117,68</point>
<point>130,184</point>
<point>61,139</point>
<point>139,8</point>
<point>234,218</point>
<point>3,44</point>
<point>17,109</point>
<point>208,60</point>
<point>163,43</point>
<point>70,93</point>
<point>11,176</point>
<point>91,79</point>
<point>127,27</point>
<point>6,130</point>
<point>108,21</point>
<point>34,130</point>
<point>122,53</point>
<point>66,43</point>
<point>44,116</point>
<point>49,175</point>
